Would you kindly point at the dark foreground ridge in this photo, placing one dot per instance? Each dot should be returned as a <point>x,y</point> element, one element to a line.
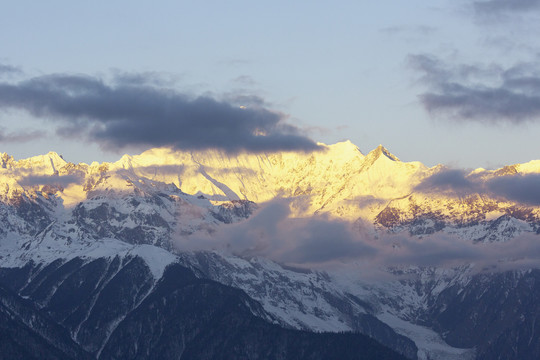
<point>111,308</point>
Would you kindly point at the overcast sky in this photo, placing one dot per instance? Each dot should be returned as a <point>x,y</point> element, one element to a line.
<point>453,82</point>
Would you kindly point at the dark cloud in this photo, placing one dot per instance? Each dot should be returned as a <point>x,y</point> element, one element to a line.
<point>436,250</point>
<point>479,93</point>
<point>503,6</point>
<point>127,115</point>
<point>443,250</point>
<point>60,181</point>
<point>520,188</point>
<point>9,70</point>
<point>152,78</point>
<point>450,180</point>
<point>271,233</point>
<point>240,99</point>
<point>20,136</point>
<point>321,243</point>
<point>524,189</point>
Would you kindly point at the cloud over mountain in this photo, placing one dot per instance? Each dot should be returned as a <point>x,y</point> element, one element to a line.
<point>321,242</point>
<point>55,180</point>
<point>451,180</point>
<point>136,111</point>
<point>521,188</point>
<point>272,233</point>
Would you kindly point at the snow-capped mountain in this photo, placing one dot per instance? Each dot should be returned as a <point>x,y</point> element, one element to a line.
<point>203,211</point>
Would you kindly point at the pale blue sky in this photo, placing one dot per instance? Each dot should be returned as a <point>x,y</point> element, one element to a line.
<point>340,70</point>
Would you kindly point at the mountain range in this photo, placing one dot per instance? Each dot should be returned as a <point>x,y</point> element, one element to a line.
<point>326,254</point>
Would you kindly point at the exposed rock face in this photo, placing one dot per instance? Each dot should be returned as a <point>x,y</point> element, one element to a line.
<point>496,312</point>
<point>303,300</point>
<point>85,247</point>
<point>115,308</point>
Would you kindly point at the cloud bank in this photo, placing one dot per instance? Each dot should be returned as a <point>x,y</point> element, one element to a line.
<point>524,189</point>
<point>61,181</point>
<point>135,111</point>
<point>489,94</point>
<point>271,233</point>
<point>450,180</point>
<point>320,242</point>
<point>520,188</point>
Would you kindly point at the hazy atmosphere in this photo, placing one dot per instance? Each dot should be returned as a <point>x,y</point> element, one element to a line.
<point>452,82</point>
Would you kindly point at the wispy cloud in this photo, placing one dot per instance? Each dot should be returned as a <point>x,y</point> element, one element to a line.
<point>500,6</point>
<point>451,180</point>
<point>524,189</point>
<point>520,188</point>
<point>486,93</point>
<point>61,181</point>
<point>321,242</point>
<point>409,30</point>
<point>271,233</point>
<point>20,136</point>
<point>443,250</point>
<point>244,80</point>
<point>134,112</point>
<point>152,78</point>
<point>9,70</point>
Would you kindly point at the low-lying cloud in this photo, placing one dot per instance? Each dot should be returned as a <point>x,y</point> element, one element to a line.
<point>520,188</point>
<point>136,111</point>
<point>472,92</point>
<point>450,180</point>
<point>443,250</point>
<point>271,233</point>
<point>320,242</point>
<point>60,181</point>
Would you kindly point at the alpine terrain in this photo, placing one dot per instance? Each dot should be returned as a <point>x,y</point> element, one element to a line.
<point>332,254</point>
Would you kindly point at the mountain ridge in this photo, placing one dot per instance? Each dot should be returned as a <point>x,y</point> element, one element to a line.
<point>341,181</point>
<point>146,205</point>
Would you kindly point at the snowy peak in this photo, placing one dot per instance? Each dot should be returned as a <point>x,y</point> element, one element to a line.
<point>527,168</point>
<point>5,160</point>
<point>345,148</point>
<point>127,209</point>
<point>339,180</point>
<point>48,164</point>
<point>381,151</point>
<point>321,181</point>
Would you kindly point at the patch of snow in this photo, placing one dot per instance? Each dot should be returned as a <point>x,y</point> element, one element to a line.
<point>156,258</point>
<point>430,345</point>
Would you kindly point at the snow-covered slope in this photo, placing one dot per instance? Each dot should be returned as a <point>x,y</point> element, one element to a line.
<point>338,180</point>
<point>140,206</point>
